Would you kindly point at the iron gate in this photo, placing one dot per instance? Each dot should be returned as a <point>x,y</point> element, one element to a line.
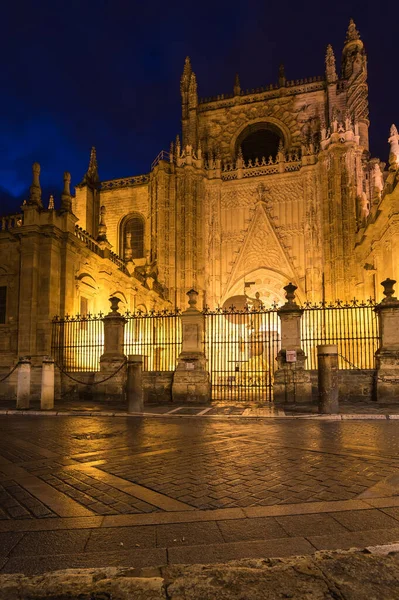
<point>241,347</point>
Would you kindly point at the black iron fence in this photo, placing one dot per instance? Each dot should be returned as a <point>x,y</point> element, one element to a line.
<point>157,336</point>
<point>352,326</point>
<point>241,347</point>
<point>78,342</point>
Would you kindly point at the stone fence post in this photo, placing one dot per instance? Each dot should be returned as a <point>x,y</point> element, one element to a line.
<point>134,386</point>
<point>23,382</point>
<point>113,357</point>
<point>387,355</point>
<point>47,390</point>
<point>191,382</point>
<point>292,382</point>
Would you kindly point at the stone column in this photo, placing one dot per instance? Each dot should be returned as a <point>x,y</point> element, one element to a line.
<point>191,382</point>
<point>113,358</point>
<point>134,387</point>
<point>327,372</point>
<point>23,382</point>
<point>47,391</point>
<point>292,382</point>
<point>387,355</point>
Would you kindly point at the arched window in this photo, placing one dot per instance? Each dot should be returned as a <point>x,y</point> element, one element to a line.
<point>258,140</point>
<point>132,237</point>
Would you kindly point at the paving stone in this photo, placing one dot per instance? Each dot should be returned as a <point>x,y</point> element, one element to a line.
<point>50,543</point>
<point>216,553</point>
<point>251,529</point>
<point>8,541</point>
<point>357,539</point>
<point>138,558</point>
<point>364,520</point>
<point>188,534</point>
<point>122,538</point>
<point>305,525</point>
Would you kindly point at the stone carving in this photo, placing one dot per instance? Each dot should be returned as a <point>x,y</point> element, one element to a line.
<point>331,73</point>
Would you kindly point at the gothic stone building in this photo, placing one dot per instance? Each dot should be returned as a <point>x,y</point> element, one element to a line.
<point>265,186</point>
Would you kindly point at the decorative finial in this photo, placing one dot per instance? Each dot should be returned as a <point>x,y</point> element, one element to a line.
<point>114,300</point>
<point>280,146</point>
<point>192,298</point>
<point>66,200</point>
<point>237,86</point>
<point>35,191</point>
<point>388,290</point>
<point>393,141</point>
<point>290,293</point>
<point>331,73</point>
<point>102,228</point>
<point>91,177</point>
<point>177,146</point>
<point>352,34</point>
<point>186,76</point>
<point>281,76</point>
<point>51,203</point>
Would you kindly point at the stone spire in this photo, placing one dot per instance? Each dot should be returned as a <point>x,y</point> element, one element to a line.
<point>352,34</point>
<point>237,85</point>
<point>66,199</point>
<point>192,92</point>
<point>281,76</point>
<point>354,71</point>
<point>51,203</point>
<point>35,191</point>
<point>189,97</point>
<point>102,228</point>
<point>186,75</point>
<point>393,141</point>
<point>331,73</point>
<point>353,53</point>
<point>91,177</point>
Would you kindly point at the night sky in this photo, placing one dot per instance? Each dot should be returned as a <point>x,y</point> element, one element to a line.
<point>106,73</point>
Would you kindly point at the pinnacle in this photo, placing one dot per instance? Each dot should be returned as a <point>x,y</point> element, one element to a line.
<point>352,33</point>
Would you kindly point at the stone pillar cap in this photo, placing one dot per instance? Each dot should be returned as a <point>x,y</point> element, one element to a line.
<point>135,358</point>
<point>327,349</point>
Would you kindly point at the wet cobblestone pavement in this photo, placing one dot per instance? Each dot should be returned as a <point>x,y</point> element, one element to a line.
<point>82,491</point>
<point>201,464</point>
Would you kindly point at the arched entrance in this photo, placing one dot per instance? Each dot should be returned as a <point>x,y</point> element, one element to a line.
<point>243,338</point>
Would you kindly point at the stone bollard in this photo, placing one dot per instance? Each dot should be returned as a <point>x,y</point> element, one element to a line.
<point>134,388</point>
<point>327,368</point>
<point>47,391</point>
<point>23,382</point>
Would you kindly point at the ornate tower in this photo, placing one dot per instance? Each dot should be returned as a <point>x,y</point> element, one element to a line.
<point>354,73</point>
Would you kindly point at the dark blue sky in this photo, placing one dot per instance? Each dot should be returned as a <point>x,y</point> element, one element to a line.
<point>106,73</point>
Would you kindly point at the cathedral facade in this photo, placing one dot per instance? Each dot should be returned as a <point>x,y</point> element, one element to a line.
<point>264,187</point>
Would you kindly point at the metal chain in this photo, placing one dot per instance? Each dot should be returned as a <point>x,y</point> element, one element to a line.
<point>384,379</point>
<point>94,382</point>
<point>10,373</point>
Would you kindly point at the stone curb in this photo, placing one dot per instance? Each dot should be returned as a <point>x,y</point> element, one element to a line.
<point>355,574</point>
<point>83,413</point>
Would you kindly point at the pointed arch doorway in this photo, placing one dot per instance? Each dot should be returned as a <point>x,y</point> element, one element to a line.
<point>243,338</point>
